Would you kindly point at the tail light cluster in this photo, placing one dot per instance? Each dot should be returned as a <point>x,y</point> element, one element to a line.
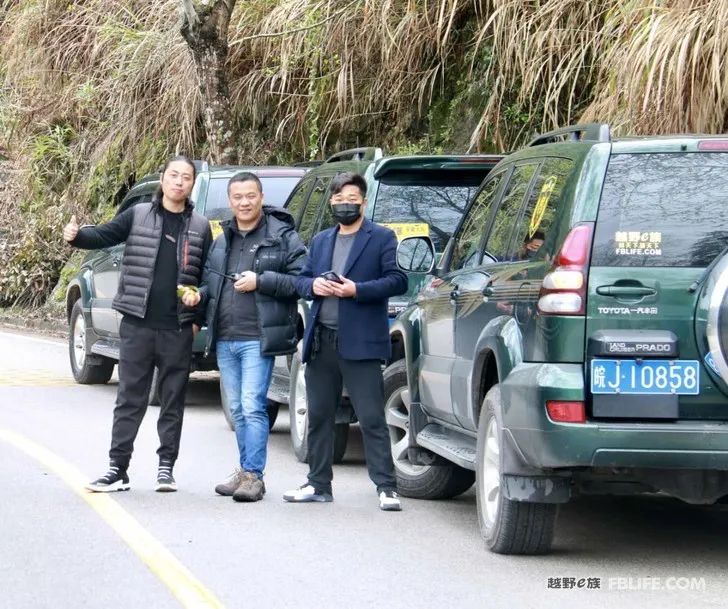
<point>563,291</point>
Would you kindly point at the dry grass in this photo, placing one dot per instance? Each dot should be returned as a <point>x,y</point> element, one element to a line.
<point>310,76</point>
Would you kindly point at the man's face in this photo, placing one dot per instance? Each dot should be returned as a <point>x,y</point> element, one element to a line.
<point>533,245</point>
<point>177,181</point>
<point>349,194</point>
<point>246,201</point>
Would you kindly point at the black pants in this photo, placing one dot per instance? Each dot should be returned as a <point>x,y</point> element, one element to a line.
<point>325,374</point>
<point>141,350</point>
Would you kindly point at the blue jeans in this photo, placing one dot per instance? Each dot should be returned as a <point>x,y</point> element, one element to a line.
<point>246,375</point>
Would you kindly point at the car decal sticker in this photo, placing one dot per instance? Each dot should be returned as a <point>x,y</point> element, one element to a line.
<point>638,243</point>
<point>216,228</point>
<point>409,229</point>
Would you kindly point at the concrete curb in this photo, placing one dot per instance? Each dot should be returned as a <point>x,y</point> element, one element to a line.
<point>47,327</point>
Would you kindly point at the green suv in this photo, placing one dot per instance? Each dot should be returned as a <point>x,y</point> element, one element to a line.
<point>573,338</point>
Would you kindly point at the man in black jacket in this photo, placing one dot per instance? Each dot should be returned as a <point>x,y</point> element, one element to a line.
<point>166,245</point>
<point>251,318</point>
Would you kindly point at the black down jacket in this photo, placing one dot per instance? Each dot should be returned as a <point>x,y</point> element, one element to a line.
<point>279,256</point>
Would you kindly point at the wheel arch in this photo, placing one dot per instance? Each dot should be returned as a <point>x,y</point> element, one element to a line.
<point>405,339</point>
<point>79,287</point>
<point>497,351</point>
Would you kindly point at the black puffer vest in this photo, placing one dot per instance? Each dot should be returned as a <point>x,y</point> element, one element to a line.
<point>140,258</point>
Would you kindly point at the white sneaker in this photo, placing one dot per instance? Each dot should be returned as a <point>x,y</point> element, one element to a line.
<point>307,494</point>
<point>389,501</point>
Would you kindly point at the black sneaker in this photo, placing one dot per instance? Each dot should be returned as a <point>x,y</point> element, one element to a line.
<point>113,480</point>
<point>389,501</point>
<point>165,479</point>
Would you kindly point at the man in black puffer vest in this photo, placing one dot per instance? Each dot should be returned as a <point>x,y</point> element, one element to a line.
<point>251,317</point>
<point>166,245</point>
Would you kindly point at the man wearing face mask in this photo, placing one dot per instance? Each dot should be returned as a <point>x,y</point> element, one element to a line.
<point>350,275</point>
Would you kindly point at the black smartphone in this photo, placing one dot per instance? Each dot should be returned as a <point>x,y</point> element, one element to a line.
<point>331,276</point>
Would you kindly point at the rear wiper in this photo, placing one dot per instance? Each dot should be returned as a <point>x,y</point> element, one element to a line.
<point>698,282</point>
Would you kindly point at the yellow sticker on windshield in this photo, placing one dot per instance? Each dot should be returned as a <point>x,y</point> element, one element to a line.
<point>216,228</point>
<point>542,203</point>
<point>407,229</point>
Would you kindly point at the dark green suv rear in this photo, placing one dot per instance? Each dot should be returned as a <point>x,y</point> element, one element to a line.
<point>573,338</point>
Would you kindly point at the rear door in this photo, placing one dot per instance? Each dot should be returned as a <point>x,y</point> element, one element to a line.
<point>662,220</point>
<point>442,298</point>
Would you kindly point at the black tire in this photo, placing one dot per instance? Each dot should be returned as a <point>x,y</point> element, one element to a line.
<point>417,481</point>
<point>85,371</point>
<point>154,389</point>
<point>272,408</point>
<point>298,407</point>
<point>507,527</point>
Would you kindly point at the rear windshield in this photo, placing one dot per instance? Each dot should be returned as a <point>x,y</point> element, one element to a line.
<point>427,202</point>
<point>663,210</point>
<point>275,191</point>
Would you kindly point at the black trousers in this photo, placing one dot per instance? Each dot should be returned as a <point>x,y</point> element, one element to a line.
<point>141,350</point>
<point>326,373</point>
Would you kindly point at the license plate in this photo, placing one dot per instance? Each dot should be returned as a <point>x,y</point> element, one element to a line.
<point>649,377</point>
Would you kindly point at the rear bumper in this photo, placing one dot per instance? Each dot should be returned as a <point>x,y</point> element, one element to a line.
<point>543,444</point>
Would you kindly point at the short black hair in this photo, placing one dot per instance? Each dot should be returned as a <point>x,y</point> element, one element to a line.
<point>348,178</point>
<point>179,157</point>
<point>245,176</point>
<point>539,234</point>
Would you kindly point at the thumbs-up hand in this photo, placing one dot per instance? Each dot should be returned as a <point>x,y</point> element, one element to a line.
<point>71,229</point>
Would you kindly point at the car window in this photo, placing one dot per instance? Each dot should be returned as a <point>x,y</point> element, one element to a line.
<point>277,188</point>
<point>426,202</point>
<point>498,243</point>
<point>309,220</point>
<point>275,191</point>
<point>298,199</point>
<point>466,251</point>
<point>663,209</point>
<point>534,239</point>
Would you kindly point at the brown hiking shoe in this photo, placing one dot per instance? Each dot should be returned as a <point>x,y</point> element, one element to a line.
<point>228,487</point>
<point>251,488</point>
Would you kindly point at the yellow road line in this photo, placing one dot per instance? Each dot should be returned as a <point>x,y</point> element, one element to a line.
<point>10,377</point>
<point>189,590</point>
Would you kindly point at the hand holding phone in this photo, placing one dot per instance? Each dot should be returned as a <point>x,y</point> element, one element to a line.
<point>331,276</point>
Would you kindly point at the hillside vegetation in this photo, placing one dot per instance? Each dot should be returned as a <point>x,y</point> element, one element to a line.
<point>96,93</point>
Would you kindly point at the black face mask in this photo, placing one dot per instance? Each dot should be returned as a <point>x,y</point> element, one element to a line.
<point>346,213</point>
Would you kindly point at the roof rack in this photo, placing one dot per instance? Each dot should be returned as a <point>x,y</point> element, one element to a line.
<point>588,132</point>
<point>357,154</point>
<point>308,164</point>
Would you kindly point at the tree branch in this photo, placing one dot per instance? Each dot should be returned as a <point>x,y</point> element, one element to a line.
<point>296,30</point>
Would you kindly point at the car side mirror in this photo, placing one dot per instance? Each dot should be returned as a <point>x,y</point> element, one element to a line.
<point>416,255</point>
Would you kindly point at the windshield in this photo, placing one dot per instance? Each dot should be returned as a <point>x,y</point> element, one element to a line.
<point>432,207</point>
<point>275,190</point>
<point>663,210</point>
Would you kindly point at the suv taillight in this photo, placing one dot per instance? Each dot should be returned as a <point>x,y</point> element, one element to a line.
<point>563,291</point>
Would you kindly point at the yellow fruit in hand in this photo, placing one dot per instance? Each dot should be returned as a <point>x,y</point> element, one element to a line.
<point>186,289</point>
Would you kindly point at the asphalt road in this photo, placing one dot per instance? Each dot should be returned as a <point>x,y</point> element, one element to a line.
<point>59,548</point>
